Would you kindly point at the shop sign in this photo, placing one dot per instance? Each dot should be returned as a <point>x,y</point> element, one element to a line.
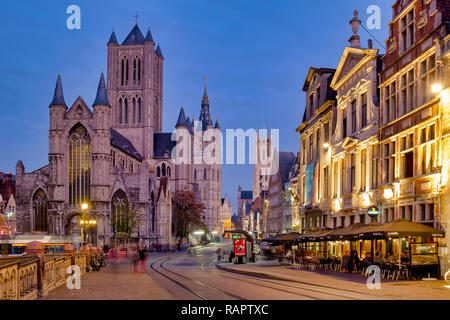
<point>373,212</point>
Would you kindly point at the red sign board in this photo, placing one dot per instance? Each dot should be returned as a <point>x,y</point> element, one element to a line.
<point>239,247</point>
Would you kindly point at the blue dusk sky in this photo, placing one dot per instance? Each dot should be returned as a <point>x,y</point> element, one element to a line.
<point>255,54</point>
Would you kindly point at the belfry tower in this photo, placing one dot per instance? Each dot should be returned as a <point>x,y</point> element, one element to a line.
<point>135,85</point>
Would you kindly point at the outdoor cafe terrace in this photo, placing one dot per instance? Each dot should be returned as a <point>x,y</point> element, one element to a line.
<point>402,249</point>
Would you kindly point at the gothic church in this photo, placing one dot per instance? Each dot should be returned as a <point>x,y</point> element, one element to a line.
<point>115,157</point>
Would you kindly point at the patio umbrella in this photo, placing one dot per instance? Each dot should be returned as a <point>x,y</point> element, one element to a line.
<point>317,236</point>
<point>287,237</point>
<point>345,233</point>
<point>400,228</point>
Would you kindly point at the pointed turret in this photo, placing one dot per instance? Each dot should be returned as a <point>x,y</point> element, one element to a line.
<point>113,39</point>
<point>158,51</point>
<point>148,37</point>
<point>134,37</point>
<point>102,96</point>
<point>181,119</point>
<point>58,97</point>
<point>217,124</point>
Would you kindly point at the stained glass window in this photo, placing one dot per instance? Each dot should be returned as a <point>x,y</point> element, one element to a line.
<point>79,165</point>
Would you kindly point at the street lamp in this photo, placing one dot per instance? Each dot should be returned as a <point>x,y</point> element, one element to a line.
<point>436,88</point>
<point>86,222</point>
<point>388,194</point>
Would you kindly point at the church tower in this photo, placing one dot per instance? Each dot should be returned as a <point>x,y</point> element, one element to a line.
<point>135,75</point>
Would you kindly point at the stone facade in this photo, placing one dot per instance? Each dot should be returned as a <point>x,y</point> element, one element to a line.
<point>313,186</point>
<point>116,158</point>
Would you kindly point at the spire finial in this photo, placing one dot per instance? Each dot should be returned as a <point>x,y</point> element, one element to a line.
<point>136,16</point>
<point>205,93</point>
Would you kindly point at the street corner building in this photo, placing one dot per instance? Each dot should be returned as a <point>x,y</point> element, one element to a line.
<point>115,156</point>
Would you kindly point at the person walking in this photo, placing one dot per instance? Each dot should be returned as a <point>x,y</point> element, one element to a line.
<point>219,254</point>
<point>231,256</point>
<point>143,258</point>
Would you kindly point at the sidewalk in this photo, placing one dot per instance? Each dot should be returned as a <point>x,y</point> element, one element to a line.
<point>403,290</point>
<point>114,282</point>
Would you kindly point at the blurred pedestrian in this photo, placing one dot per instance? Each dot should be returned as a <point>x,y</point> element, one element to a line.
<point>231,256</point>
<point>143,258</point>
<point>135,259</point>
<point>219,254</point>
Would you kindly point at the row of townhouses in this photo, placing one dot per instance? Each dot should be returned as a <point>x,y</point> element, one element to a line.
<point>375,132</point>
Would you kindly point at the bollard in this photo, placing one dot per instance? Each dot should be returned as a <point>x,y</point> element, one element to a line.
<point>36,249</point>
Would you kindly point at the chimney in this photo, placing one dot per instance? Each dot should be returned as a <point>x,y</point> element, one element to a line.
<point>370,44</point>
<point>355,39</point>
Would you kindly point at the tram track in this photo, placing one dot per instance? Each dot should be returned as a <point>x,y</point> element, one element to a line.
<point>301,285</point>
<point>165,271</point>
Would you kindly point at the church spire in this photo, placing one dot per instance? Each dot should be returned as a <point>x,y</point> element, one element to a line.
<point>58,97</point>
<point>158,51</point>
<point>149,37</point>
<point>102,96</point>
<point>205,115</point>
<point>205,99</point>
<point>182,122</point>
<point>113,39</point>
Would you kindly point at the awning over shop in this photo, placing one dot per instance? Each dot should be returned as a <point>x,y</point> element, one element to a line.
<point>346,233</point>
<point>399,228</point>
<point>287,237</point>
<point>315,236</point>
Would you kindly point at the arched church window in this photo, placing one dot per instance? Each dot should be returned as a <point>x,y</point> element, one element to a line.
<point>40,211</point>
<point>122,73</point>
<point>204,174</point>
<point>79,165</point>
<point>120,208</point>
<point>163,170</point>
<point>120,110</point>
<point>126,70</point>
<point>169,171</point>
<point>134,70</point>
<point>134,110</point>
<point>195,174</point>
<point>139,109</point>
<point>139,71</point>
<point>126,111</point>
<point>158,172</point>
<point>153,210</point>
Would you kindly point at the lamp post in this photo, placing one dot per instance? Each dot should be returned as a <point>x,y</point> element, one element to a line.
<point>86,222</point>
